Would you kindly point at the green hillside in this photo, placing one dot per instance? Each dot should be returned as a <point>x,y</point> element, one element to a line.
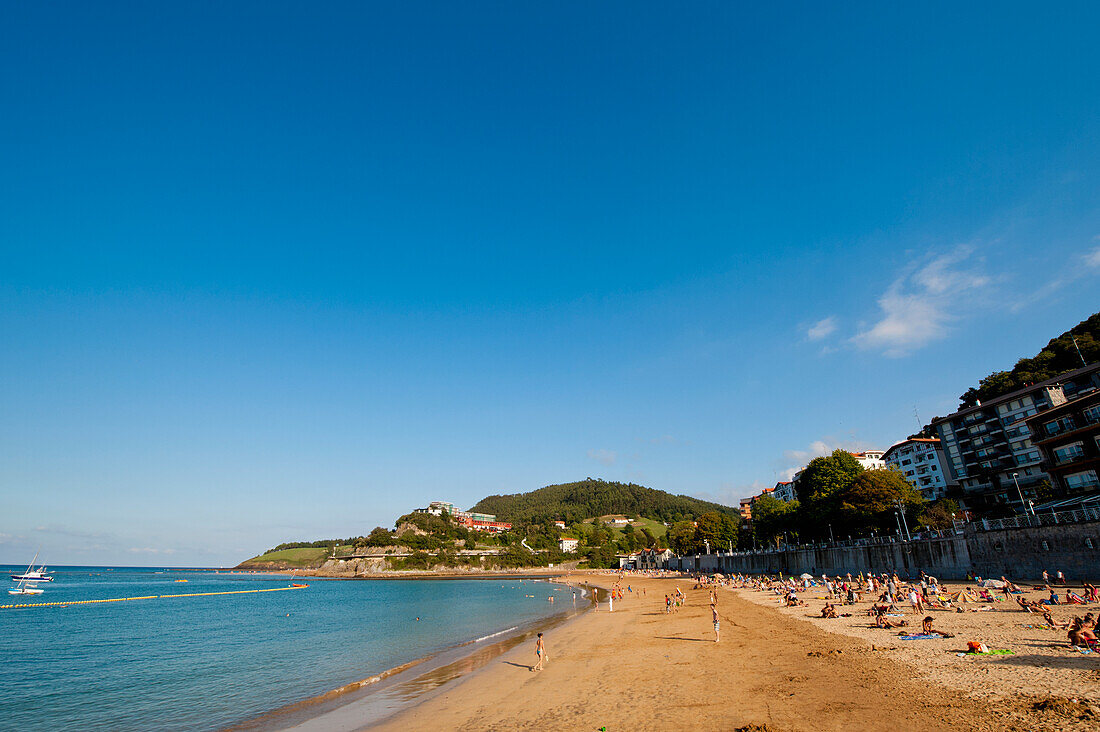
<point>574,502</point>
<point>1057,357</point>
<point>301,557</point>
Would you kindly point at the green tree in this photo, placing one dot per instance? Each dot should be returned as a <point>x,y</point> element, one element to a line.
<point>825,476</point>
<point>871,501</point>
<point>378,537</point>
<point>717,528</point>
<point>938,515</point>
<point>681,537</point>
<point>771,517</point>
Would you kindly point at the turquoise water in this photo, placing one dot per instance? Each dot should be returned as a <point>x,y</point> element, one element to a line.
<point>200,663</point>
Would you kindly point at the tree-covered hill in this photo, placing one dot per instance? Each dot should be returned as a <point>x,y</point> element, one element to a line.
<point>573,502</point>
<point>1058,357</point>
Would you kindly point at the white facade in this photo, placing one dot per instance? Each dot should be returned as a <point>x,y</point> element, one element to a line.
<point>784,490</point>
<point>870,459</point>
<point>568,546</point>
<point>922,462</point>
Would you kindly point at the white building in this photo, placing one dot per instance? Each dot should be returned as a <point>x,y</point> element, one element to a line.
<point>870,459</point>
<point>784,490</point>
<point>567,546</point>
<point>922,462</point>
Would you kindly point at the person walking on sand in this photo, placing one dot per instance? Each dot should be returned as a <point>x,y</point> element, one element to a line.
<point>714,617</point>
<point>540,651</point>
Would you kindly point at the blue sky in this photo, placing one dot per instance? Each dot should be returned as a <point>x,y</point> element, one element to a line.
<point>273,271</point>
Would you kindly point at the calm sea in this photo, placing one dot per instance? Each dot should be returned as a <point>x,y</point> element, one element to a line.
<point>201,663</point>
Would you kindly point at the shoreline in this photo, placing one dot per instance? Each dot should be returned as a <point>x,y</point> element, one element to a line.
<point>415,574</point>
<point>380,696</point>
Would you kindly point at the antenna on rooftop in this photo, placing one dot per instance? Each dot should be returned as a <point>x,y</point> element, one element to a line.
<point>920,425</point>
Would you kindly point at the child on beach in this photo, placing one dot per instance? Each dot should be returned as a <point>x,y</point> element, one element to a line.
<point>714,616</point>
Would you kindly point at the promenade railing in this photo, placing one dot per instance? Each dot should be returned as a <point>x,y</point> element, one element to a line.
<point>1023,521</point>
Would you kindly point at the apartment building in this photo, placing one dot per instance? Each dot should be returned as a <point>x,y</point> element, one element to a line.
<point>1068,436</point>
<point>988,447</point>
<point>922,462</point>
<point>475,521</point>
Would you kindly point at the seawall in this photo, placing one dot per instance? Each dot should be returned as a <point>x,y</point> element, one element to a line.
<point>1021,553</point>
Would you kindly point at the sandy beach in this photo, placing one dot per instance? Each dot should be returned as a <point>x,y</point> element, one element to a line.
<point>639,668</point>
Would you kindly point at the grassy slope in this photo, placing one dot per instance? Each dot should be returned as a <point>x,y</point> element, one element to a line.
<point>295,557</point>
<point>655,527</point>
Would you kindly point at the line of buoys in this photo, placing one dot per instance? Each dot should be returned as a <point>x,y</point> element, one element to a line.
<point>60,603</point>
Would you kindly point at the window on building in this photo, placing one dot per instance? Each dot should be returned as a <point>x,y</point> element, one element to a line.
<point>1058,426</point>
<point>1080,481</point>
<point>1092,414</point>
<point>1069,453</point>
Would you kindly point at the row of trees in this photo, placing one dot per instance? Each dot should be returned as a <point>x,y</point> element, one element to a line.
<point>838,497</point>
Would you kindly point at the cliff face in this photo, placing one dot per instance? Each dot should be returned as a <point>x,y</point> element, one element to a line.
<point>356,567</point>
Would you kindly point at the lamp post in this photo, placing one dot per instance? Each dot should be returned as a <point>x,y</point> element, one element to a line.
<point>905,522</point>
<point>1021,494</point>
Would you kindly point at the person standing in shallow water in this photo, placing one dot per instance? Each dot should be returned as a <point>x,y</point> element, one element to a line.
<point>540,651</point>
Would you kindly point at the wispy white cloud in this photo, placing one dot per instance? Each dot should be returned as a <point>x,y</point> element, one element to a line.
<point>822,329</point>
<point>1085,265</point>
<point>920,305</point>
<point>1092,259</point>
<point>606,457</point>
<point>150,550</point>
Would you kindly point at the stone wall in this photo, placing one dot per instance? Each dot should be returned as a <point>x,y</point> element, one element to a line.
<point>1017,553</point>
<point>1026,552</point>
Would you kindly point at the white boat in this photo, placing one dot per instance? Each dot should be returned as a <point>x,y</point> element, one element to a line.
<point>32,574</point>
<point>25,590</point>
<point>36,575</point>
<point>27,581</point>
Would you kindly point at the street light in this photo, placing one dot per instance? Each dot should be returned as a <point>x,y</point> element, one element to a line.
<point>1021,494</point>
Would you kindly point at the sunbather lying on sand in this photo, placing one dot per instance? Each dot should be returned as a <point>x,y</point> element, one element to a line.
<point>927,629</point>
<point>1049,619</point>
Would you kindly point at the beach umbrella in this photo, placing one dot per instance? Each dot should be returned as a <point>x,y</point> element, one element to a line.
<point>806,575</point>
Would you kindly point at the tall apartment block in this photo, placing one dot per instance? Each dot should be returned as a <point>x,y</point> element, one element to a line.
<point>989,447</point>
<point>1069,438</point>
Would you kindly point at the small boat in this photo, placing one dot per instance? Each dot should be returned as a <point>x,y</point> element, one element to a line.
<point>25,590</point>
<point>32,574</point>
<point>36,575</point>
<point>27,581</point>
